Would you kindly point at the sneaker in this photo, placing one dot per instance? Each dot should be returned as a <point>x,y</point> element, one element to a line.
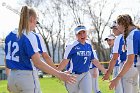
<point>99,92</point>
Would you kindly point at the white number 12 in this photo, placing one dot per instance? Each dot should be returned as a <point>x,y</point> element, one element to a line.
<point>12,55</point>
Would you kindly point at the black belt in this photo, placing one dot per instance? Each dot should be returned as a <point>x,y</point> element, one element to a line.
<point>77,73</point>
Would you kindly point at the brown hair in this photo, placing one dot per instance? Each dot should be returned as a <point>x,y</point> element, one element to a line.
<point>126,21</point>
<point>25,15</point>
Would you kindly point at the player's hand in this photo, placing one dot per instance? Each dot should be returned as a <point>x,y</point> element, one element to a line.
<point>113,83</point>
<point>68,72</point>
<point>68,78</point>
<point>106,76</point>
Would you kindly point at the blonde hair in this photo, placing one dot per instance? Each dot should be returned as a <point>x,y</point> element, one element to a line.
<point>25,15</point>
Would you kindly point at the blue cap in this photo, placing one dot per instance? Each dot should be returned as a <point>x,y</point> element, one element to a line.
<point>79,28</point>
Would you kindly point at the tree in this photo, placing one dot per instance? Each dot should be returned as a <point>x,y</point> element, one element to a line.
<point>78,11</point>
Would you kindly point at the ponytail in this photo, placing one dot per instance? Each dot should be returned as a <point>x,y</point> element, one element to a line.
<point>24,19</point>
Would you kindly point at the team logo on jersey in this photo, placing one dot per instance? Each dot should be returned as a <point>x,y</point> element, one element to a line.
<point>84,53</point>
<point>77,47</point>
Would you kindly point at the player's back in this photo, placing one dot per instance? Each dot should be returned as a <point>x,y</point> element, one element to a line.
<point>19,50</point>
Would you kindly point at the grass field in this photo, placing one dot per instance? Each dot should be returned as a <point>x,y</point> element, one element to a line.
<point>53,85</point>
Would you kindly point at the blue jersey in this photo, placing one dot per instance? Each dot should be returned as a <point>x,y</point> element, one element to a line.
<point>19,51</point>
<point>117,62</point>
<point>80,57</point>
<point>133,43</point>
<point>118,48</point>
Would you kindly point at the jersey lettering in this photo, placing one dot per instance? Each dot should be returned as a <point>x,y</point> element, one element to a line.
<point>84,53</point>
<point>85,58</point>
<point>11,55</point>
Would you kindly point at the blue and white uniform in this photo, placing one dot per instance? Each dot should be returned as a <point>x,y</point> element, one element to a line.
<point>130,79</point>
<point>80,57</point>
<point>95,86</point>
<point>18,53</point>
<point>41,43</point>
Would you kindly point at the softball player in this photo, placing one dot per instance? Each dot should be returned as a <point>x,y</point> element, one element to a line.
<point>94,75</point>
<point>129,73</point>
<point>77,57</point>
<point>20,48</point>
<point>110,40</point>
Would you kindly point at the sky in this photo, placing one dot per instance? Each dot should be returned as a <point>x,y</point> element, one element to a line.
<point>9,20</point>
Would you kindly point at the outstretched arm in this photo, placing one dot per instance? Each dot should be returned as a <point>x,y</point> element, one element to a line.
<point>48,60</point>
<point>125,68</point>
<point>98,65</point>
<point>48,69</point>
<point>111,66</point>
<point>63,64</point>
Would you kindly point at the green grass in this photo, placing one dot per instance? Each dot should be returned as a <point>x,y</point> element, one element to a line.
<point>53,85</point>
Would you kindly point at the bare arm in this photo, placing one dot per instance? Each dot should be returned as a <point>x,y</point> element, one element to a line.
<point>63,64</point>
<point>112,62</point>
<point>111,66</point>
<point>48,69</point>
<point>126,67</point>
<point>48,60</point>
<point>98,65</point>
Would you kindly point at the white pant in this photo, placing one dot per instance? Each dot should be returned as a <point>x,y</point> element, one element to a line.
<point>95,86</point>
<point>23,81</point>
<point>130,81</point>
<point>138,67</point>
<point>83,84</point>
<point>119,86</point>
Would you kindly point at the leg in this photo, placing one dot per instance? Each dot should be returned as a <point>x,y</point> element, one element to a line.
<point>135,82</point>
<point>95,86</point>
<point>11,82</point>
<point>128,82</point>
<point>138,67</point>
<point>73,88</point>
<point>28,82</point>
<point>119,86</point>
<point>85,83</point>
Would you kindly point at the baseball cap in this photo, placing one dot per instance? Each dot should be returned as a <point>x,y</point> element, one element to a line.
<point>111,36</point>
<point>114,24</point>
<point>79,28</point>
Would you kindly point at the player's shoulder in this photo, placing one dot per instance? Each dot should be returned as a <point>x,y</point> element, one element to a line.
<point>30,36</point>
<point>132,34</point>
<point>11,33</point>
<point>88,42</point>
<point>118,38</point>
<point>72,44</point>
